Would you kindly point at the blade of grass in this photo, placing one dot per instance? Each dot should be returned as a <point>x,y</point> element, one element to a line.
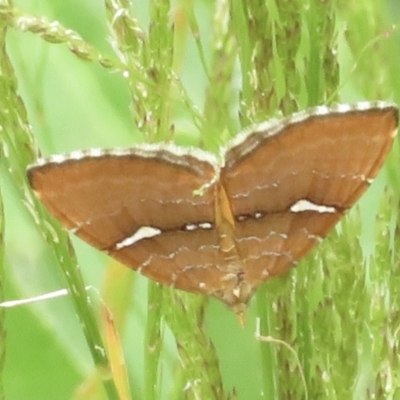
<point>17,145</point>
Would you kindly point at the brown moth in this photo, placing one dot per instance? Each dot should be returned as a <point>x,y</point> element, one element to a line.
<point>221,225</point>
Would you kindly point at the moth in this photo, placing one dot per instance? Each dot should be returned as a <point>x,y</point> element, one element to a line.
<point>223,225</point>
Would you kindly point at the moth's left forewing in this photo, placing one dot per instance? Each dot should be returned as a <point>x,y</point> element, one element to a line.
<point>150,207</point>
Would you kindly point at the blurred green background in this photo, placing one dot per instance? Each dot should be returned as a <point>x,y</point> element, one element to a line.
<point>76,105</point>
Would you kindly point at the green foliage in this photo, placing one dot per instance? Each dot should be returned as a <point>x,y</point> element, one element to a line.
<point>194,72</point>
